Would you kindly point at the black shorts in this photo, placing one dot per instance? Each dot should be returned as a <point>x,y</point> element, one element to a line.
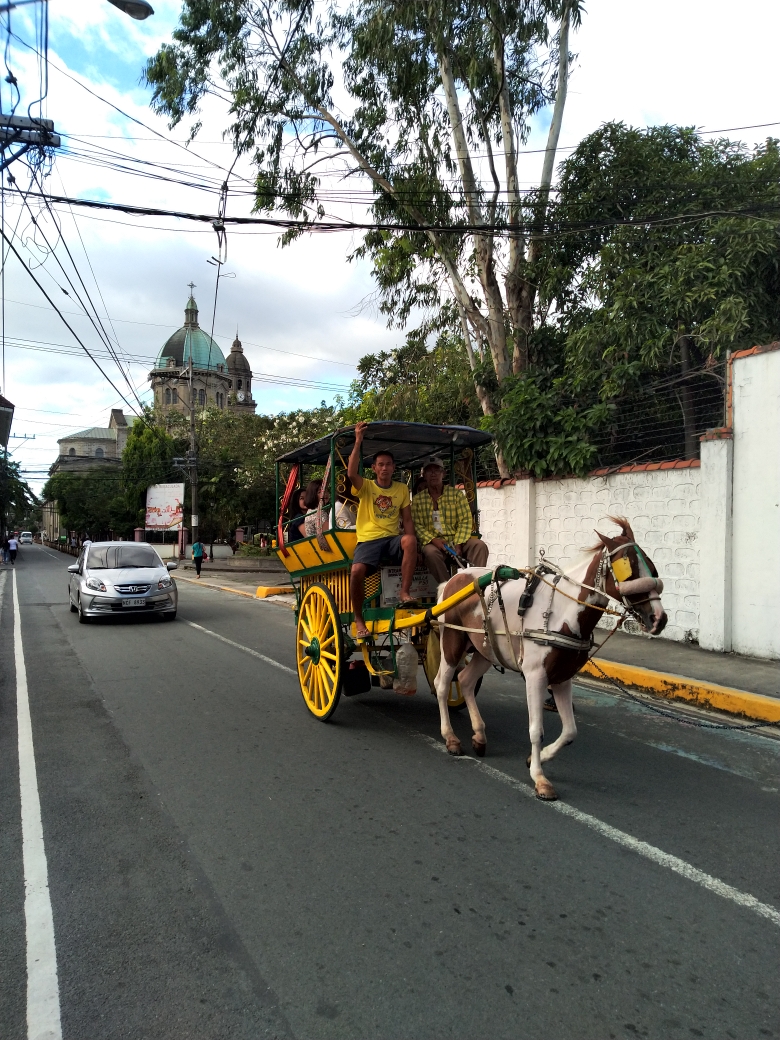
<point>378,551</point>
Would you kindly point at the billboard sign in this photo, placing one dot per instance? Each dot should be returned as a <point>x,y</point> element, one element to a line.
<point>164,506</point>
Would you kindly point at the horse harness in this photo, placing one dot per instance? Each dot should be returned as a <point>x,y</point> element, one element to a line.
<point>544,637</point>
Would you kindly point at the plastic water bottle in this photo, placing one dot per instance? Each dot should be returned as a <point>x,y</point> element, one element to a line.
<point>406,666</point>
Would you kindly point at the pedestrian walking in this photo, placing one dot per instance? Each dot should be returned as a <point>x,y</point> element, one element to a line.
<point>197,556</point>
<point>13,546</point>
<point>5,549</point>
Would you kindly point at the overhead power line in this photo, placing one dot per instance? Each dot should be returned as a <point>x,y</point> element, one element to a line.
<point>75,335</point>
<point>465,228</point>
<point>218,335</point>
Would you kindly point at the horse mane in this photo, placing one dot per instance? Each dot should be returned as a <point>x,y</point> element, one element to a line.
<point>625,532</point>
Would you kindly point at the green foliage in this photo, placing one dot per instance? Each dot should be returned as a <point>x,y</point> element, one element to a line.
<point>626,294</point>
<point>146,460</point>
<point>541,427</point>
<point>92,503</point>
<point>417,384</point>
<point>17,501</point>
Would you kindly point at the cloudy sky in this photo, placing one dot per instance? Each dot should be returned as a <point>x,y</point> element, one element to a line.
<point>297,310</point>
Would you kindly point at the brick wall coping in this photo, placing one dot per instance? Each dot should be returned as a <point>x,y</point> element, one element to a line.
<point>642,467</point>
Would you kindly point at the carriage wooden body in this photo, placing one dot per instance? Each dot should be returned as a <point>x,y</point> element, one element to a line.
<point>330,660</point>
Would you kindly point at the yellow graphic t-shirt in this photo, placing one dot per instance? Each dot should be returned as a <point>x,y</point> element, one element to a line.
<point>379,510</point>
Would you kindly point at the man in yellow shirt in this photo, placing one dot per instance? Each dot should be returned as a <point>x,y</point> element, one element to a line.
<point>381,504</point>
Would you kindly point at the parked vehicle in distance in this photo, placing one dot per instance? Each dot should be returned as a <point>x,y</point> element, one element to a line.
<point>26,538</point>
<point>121,578</point>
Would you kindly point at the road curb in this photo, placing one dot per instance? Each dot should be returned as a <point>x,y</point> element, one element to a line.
<point>748,705</point>
<point>211,585</point>
<point>263,591</point>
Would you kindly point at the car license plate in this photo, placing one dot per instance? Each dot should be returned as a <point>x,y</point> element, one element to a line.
<point>133,602</point>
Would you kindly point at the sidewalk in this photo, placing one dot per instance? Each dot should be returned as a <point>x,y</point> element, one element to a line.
<point>726,682</point>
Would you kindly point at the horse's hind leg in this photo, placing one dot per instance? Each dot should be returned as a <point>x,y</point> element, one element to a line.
<point>468,678</point>
<point>563,701</point>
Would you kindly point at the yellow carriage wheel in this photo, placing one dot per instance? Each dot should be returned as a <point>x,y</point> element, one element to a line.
<point>319,651</point>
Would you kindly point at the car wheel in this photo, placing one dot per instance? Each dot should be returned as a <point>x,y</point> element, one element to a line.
<point>83,619</point>
<point>71,604</point>
<point>170,617</point>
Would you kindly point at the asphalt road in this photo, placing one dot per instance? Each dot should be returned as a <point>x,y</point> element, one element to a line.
<point>221,865</point>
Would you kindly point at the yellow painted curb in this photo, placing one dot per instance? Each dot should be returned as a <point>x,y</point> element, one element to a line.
<point>678,687</point>
<point>272,590</point>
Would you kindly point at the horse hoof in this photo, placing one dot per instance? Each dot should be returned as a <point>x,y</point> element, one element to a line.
<point>545,791</point>
<point>454,748</point>
<point>479,749</point>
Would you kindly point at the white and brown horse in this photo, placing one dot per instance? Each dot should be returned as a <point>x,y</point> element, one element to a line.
<point>547,640</point>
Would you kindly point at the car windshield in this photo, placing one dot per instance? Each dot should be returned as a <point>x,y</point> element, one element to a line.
<point>112,557</point>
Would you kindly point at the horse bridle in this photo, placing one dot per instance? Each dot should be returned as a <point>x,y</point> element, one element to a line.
<point>606,561</point>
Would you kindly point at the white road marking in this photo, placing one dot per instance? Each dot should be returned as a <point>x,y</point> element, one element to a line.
<point>240,646</point>
<point>627,841</point>
<point>43,993</point>
<point>54,556</point>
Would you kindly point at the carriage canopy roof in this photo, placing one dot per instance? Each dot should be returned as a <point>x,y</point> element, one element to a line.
<point>408,442</point>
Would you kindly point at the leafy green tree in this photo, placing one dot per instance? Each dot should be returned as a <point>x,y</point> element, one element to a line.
<point>92,503</point>
<point>147,459</point>
<point>17,500</point>
<point>437,98</point>
<point>677,262</point>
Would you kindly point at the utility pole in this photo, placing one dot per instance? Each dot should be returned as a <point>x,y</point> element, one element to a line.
<point>193,460</point>
<point>190,462</point>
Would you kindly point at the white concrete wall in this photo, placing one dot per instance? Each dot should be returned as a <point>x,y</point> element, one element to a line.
<point>755,608</point>
<point>713,531</point>
<point>662,505</point>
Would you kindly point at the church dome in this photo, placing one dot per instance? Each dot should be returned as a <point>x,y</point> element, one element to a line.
<point>191,342</point>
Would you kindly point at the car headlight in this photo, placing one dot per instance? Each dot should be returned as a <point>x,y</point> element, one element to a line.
<point>164,583</point>
<point>96,584</point>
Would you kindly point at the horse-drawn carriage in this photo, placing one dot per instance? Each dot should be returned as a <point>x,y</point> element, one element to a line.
<point>537,620</point>
<point>331,660</point>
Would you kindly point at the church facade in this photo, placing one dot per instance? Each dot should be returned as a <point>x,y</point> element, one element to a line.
<point>213,382</point>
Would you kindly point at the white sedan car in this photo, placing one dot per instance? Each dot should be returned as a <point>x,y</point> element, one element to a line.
<point>121,578</point>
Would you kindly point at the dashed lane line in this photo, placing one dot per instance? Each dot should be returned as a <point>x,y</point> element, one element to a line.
<point>239,646</point>
<point>606,830</point>
<point>43,993</point>
<point>627,841</point>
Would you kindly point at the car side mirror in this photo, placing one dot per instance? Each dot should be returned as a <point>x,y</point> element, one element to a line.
<point>171,565</point>
<point>73,569</point>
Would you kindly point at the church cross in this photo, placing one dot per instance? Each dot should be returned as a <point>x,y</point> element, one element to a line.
<point>192,286</point>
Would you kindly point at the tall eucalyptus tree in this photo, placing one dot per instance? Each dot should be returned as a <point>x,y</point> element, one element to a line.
<point>430,102</point>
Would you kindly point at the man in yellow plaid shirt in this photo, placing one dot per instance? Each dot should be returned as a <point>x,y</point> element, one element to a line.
<point>442,518</point>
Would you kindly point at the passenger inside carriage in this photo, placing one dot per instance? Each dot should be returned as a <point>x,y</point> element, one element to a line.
<point>294,530</point>
<point>443,524</point>
<point>381,503</point>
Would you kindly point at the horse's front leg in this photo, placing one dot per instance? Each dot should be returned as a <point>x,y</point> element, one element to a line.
<point>441,684</point>
<point>468,678</point>
<point>535,691</point>
<point>563,702</point>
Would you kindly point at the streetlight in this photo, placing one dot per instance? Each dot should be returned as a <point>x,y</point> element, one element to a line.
<point>138,9</point>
